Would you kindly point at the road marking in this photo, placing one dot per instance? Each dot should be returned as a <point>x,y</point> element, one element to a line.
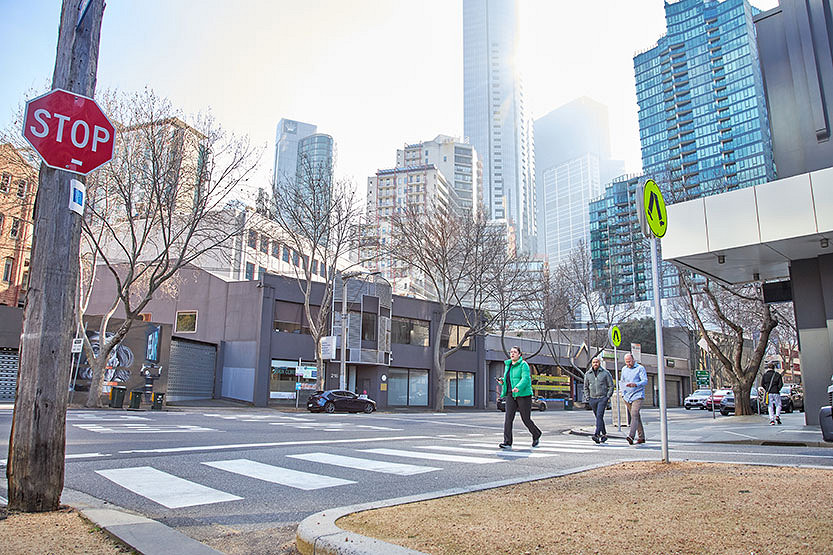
<point>738,434</point>
<point>277,475</point>
<point>87,455</point>
<point>95,417</point>
<point>142,428</point>
<point>365,464</point>
<point>267,444</point>
<point>571,448</point>
<point>496,451</point>
<point>746,453</point>
<point>4,501</point>
<point>166,489</point>
<point>432,456</point>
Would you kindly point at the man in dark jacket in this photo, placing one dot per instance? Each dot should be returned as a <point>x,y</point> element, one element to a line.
<point>771,383</point>
<point>598,389</point>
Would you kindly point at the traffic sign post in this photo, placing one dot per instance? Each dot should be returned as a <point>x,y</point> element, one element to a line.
<point>653,219</point>
<point>616,339</point>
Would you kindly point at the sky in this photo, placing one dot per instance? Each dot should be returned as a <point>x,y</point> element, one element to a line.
<point>374,74</point>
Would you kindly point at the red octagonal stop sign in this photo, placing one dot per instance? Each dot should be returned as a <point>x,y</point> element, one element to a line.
<point>69,131</point>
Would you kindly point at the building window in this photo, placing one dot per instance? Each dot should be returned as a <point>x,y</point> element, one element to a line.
<point>406,331</point>
<point>452,335</point>
<point>296,258</point>
<point>369,331</point>
<point>285,254</point>
<point>408,387</point>
<point>261,271</point>
<point>276,249</point>
<point>323,270</point>
<point>264,245</point>
<point>250,271</point>
<point>7,270</point>
<point>290,327</point>
<point>2,219</point>
<point>459,389</point>
<point>21,188</point>
<point>5,182</point>
<point>186,322</point>
<point>15,229</point>
<point>252,239</point>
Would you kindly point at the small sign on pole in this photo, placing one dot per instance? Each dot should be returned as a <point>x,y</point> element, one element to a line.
<point>77,344</point>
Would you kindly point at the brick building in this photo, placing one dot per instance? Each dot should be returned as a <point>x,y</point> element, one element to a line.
<point>18,186</point>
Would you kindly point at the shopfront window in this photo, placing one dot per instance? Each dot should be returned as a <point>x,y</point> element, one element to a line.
<point>407,387</point>
<point>459,389</point>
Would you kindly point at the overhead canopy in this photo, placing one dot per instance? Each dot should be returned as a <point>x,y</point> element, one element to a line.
<point>753,233</point>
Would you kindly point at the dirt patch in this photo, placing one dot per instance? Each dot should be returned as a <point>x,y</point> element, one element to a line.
<point>62,531</point>
<point>626,508</point>
<point>271,541</point>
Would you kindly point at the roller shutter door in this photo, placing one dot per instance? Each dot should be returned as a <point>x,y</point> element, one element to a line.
<point>191,374</point>
<point>8,374</point>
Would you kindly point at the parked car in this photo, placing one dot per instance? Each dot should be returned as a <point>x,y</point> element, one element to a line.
<point>537,404</point>
<point>727,404</point>
<point>795,395</point>
<point>339,400</point>
<point>697,399</point>
<point>716,397</point>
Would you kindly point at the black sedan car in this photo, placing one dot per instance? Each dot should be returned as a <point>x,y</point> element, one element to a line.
<point>339,400</point>
<point>727,404</point>
<point>537,404</point>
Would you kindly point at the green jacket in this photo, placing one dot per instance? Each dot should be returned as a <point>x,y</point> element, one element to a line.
<point>520,377</point>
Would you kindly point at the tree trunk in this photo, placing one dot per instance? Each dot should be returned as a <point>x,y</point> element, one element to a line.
<point>742,389</point>
<point>97,367</point>
<point>35,469</point>
<point>438,368</point>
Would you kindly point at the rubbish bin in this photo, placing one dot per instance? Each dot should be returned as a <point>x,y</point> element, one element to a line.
<point>158,399</point>
<point>117,396</point>
<point>135,399</point>
<point>568,404</point>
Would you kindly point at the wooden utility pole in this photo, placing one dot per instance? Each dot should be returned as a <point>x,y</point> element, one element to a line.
<point>35,469</point>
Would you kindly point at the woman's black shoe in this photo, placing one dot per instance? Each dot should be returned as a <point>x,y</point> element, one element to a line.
<point>536,440</point>
<point>505,445</point>
<point>595,438</point>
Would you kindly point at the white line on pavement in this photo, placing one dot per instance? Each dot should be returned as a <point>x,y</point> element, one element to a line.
<point>163,488</point>
<point>267,444</point>
<point>432,456</point>
<point>496,451</point>
<point>747,454</point>
<point>277,475</point>
<point>365,464</point>
<point>542,447</point>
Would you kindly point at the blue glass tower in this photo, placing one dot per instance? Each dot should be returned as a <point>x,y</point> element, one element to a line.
<point>702,111</point>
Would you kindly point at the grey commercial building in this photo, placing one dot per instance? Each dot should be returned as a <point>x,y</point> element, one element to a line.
<point>780,232</point>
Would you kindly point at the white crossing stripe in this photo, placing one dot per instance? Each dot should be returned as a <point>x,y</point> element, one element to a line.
<point>4,501</point>
<point>141,428</point>
<point>99,417</point>
<point>496,451</point>
<point>547,448</point>
<point>278,475</point>
<point>432,456</point>
<point>166,489</point>
<point>365,464</point>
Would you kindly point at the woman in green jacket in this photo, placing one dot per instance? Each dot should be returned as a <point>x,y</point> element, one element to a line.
<point>517,392</point>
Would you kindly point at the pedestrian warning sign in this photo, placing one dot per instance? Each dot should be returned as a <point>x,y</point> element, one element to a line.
<point>615,336</point>
<point>654,207</point>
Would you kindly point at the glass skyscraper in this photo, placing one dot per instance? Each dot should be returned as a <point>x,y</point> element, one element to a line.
<point>702,111</point>
<point>494,117</point>
<point>703,127</point>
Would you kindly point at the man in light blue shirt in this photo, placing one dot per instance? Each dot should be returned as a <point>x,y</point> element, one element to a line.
<point>633,380</point>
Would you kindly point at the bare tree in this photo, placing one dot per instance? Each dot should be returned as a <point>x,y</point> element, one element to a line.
<point>319,217</point>
<point>722,313</point>
<point>159,205</point>
<point>784,339</point>
<point>466,265</point>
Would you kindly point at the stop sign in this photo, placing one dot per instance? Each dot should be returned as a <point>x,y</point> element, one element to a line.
<point>69,131</point>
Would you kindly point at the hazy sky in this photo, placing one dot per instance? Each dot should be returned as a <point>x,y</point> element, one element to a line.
<point>374,74</point>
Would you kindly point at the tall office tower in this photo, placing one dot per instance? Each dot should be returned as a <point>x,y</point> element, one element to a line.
<point>419,186</point>
<point>457,161</point>
<point>494,116</point>
<point>287,137</point>
<point>702,112</point>
<point>572,162</point>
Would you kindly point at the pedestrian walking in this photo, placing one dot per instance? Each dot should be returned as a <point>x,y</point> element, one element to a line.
<point>633,380</point>
<point>771,383</point>
<point>517,393</point>
<point>598,389</point>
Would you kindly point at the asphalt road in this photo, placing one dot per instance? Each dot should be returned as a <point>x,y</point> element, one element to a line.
<point>249,469</point>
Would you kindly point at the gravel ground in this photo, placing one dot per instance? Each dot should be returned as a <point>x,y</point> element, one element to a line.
<point>643,507</point>
<point>58,532</point>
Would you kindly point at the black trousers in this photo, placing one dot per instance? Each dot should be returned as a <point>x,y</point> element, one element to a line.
<point>524,406</point>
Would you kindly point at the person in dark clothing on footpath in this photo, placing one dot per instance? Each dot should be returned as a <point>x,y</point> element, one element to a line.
<point>517,392</point>
<point>598,389</point>
<point>771,384</point>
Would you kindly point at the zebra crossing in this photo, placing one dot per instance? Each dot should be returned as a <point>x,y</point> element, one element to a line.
<point>141,428</point>
<point>327,424</point>
<point>175,492</point>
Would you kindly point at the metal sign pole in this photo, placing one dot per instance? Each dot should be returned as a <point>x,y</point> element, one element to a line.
<point>660,351</point>
<point>618,408</point>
